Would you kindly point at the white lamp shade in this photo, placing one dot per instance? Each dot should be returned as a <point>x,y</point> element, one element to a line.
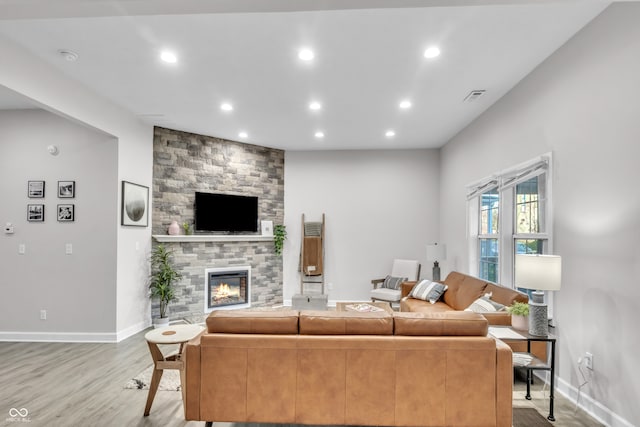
<point>436,252</point>
<point>538,272</point>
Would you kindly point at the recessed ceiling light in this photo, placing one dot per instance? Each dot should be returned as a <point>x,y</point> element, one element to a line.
<point>169,57</point>
<point>315,106</point>
<point>306,54</point>
<point>405,104</point>
<point>243,135</point>
<point>226,107</point>
<point>432,52</point>
<point>390,133</point>
<point>319,134</point>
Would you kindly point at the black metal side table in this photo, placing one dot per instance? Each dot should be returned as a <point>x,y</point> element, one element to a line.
<point>508,334</point>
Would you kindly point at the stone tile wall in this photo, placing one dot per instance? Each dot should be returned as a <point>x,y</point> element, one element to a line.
<point>185,163</point>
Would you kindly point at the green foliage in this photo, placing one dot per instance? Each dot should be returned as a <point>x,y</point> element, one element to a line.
<point>187,228</point>
<point>519,309</point>
<point>279,236</point>
<point>163,276</point>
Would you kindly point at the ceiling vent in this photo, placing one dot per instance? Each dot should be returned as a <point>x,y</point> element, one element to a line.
<point>474,95</point>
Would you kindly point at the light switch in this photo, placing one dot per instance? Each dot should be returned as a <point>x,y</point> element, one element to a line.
<point>8,229</point>
<point>21,248</point>
<point>68,248</point>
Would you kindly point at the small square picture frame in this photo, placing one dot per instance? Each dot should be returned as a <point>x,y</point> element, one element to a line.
<point>35,213</point>
<point>35,189</point>
<point>66,189</point>
<point>66,213</point>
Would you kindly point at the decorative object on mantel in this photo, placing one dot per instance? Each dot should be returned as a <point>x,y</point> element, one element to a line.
<point>161,283</point>
<point>539,273</point>
<point>174,228</point>
<point>187,228</point>
<point>267,228</point>
<point>436,253</point>
<point>279,236</point>
<point>519,315</point>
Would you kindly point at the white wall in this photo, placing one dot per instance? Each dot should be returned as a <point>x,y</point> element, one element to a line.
<point>379,205</point>
<point>582,104</point>
<point>77,290</point>
<point>45,85</point>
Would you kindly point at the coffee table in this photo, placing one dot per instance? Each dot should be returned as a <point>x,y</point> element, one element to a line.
<point>176,334</point>
<point>351,306</point>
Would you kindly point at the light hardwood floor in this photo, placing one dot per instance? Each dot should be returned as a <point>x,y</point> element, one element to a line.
<point>72,385</point>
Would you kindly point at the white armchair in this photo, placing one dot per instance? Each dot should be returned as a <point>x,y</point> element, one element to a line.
<point>388,289</point>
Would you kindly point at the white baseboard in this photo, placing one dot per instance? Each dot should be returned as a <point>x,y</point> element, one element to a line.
<point>77,337</point>
<point>591,406</point>
<point>132,330</point>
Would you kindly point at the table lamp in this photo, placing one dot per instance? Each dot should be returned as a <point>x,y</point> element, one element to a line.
<point>436,253</point>
<point>539,273</point>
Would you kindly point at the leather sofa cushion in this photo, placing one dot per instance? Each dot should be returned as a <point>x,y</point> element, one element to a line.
<point>462,290</point>
<point>345,323</point>
<point>449,323</point>
<point>253,322</point>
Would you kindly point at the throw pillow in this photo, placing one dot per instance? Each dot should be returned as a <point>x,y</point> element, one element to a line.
<point>428,291</point>
<point>393,282</point>
<point>485,304</point>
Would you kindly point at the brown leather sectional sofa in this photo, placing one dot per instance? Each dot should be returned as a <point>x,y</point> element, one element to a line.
<point>462,291</point>
<point>348,368</point>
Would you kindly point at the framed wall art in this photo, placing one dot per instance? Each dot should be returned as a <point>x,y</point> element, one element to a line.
<point>35,213</point>
<point>35,189</point>
<point>66,213</point>
<point>135,204</point>
<point>66,189</point>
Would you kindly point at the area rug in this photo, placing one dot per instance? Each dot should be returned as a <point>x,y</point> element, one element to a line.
<point>170,380</point>
<point>529,417</point>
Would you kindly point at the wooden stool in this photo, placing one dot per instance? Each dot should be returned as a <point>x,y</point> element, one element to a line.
<point>176,334</point>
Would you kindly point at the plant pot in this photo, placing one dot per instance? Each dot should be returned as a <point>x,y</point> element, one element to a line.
<point>520,322</point>
<point>160,322</point>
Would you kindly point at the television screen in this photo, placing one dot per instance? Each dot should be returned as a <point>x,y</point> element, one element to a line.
<point>225,212</point>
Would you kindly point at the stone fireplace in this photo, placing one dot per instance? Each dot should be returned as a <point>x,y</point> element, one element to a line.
<point>184,163</point>
<point>228,287</point>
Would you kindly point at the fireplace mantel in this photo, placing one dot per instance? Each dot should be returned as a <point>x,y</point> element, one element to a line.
<point>165,238</point>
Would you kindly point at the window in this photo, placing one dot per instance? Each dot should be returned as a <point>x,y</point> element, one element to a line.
<point>508,215</point>
<point>488,234</point>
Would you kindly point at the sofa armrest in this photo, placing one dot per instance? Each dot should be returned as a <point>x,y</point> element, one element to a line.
<point>504,385</point>
<point>406,287</point>
<point>498,318</point>
<point>191,377</point>
<point>376,282</point>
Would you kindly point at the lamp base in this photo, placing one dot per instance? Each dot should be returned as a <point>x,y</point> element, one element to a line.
<point>538,321</point>
<point>435,275</point>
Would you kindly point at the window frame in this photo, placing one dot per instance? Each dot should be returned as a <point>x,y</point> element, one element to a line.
<point>506,182</point>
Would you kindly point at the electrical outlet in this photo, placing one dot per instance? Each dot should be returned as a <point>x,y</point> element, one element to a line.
<point>43,314</point>
<point>588,360</point>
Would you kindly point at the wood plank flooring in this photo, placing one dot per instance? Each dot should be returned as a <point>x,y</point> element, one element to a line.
<point>70,385</point>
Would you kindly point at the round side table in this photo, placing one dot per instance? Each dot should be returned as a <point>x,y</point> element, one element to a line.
<point>175,334</point>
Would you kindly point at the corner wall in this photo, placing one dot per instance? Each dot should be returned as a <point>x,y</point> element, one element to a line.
<point>58,94</point>
<point>582,103</point>
<point>77,290</point>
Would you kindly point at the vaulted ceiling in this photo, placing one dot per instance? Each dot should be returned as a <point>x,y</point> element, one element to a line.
<point>368,57</point>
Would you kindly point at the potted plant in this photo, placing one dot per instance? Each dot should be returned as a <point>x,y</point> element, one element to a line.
<point>279,236</point>
<point>519,315</point>
<point>162,279</point>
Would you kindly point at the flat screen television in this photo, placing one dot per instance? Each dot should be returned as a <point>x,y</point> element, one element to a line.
<point>225,212</point>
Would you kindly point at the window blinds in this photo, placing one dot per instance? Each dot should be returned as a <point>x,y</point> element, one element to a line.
<point>509,178</point>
